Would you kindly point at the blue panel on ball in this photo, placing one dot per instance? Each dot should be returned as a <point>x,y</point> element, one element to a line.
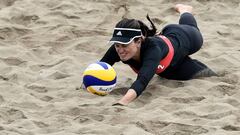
<point>92,81</point>
<point>103,64</point>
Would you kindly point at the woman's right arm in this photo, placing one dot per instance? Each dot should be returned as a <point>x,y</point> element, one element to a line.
<point>110,56</point>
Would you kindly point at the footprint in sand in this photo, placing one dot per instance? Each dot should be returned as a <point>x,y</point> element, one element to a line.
<point>185,129</point>
<point>87,33</point>
<point>171,83</point>
<point>10,115</point>
<point>232,3</point>
<point>233,102</point>
<point>63,15</point>
<point>75,111</point>
<point>41,92</point>
<point>157,127</point>
<point>13,32</point>
<point>82,119</point>
<point>1,99</point>
<point>146,98</point>
<point>230,79</point>
<point>3,78</point>
<point>153,127</point>
<point>40,124</point>
<point>46,98</point>
<point>24,19</point>
<point>119,91</point>
<point>121,8</point>
<point>186,114</point>
<point>97,117</point>
<point>187,100</point>
<point>82,114</point>
<point>13,61</point>
<point>215,116</point>
<point>58,75</point>
<point>222,90</point>
<point>90,118</point>
<point>48,65</point>
<point>231,128</point>
<point>55,75</point>
<point>6,3</point>
<point>37,88</point>
<point>64,5</point>
<point>84,47</point>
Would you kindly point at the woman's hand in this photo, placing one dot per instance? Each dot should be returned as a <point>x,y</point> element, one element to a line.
<point>128,97</point>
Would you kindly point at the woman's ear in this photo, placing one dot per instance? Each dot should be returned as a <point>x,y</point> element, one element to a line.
<point>139,42</point>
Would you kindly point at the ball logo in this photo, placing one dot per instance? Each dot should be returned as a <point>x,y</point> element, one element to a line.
<point>99,78</point>
<point>105,89</point>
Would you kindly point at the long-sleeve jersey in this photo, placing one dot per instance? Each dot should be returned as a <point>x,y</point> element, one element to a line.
<point>153,49</point>
<point>185,38</point>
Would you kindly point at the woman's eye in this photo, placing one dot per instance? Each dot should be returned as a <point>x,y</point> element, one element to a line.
<point>121,45</point>
<point>124,45</point>
<point>116,45</point>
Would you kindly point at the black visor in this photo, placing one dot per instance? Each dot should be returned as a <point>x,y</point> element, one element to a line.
<point>125,35</point>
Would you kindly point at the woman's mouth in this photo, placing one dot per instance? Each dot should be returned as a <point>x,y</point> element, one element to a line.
<point>122,54</point>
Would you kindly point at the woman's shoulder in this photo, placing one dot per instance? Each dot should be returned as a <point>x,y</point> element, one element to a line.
<point>150,43</point>
<point>153,40</point>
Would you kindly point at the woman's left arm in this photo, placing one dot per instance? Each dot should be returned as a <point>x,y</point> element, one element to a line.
<point>128,97</point>
<point>145,74</point>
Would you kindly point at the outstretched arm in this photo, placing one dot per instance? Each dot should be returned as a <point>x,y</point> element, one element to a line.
<point>128,97</point>
<point>150,62</point>
<point>110,56</point>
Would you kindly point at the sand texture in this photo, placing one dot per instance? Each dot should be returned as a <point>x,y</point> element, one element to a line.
<point>45,45</point>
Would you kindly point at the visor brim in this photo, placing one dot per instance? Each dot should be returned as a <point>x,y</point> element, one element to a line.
<point>122,40</point>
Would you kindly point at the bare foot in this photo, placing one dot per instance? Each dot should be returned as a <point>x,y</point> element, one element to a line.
<point>181,8</point>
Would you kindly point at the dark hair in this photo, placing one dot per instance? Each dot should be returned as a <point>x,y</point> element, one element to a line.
<point>137,24</point>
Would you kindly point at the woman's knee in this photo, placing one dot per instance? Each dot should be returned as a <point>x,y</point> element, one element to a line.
<point>188,19</point>
<point>196,41</point>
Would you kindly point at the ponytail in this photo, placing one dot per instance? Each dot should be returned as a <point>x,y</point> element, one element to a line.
<point>145,30</point>
<point>154,29</point>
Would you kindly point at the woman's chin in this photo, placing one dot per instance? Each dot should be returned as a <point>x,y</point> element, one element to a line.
<point>124,58</point>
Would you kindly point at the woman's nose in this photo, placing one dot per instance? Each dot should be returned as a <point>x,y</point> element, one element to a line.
<point>120,49</point>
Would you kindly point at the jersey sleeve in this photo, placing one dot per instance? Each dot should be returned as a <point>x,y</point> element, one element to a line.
<point>110,56</point>
<point>150,63</point>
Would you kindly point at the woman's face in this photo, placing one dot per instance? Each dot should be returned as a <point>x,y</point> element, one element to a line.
<point>127,51</point>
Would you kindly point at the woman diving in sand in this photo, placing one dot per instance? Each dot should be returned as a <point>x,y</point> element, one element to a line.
<point>165,54</point>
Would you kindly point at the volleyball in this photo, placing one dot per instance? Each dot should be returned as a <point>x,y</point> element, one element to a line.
<point>99,78</point>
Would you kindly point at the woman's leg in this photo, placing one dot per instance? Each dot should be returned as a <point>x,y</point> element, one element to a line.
<point>181,8</point>
<point>189,25</point>
<point>188,69</point>
<point>188,19</point>
<point>191,42</point>
<point>206,72</point>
